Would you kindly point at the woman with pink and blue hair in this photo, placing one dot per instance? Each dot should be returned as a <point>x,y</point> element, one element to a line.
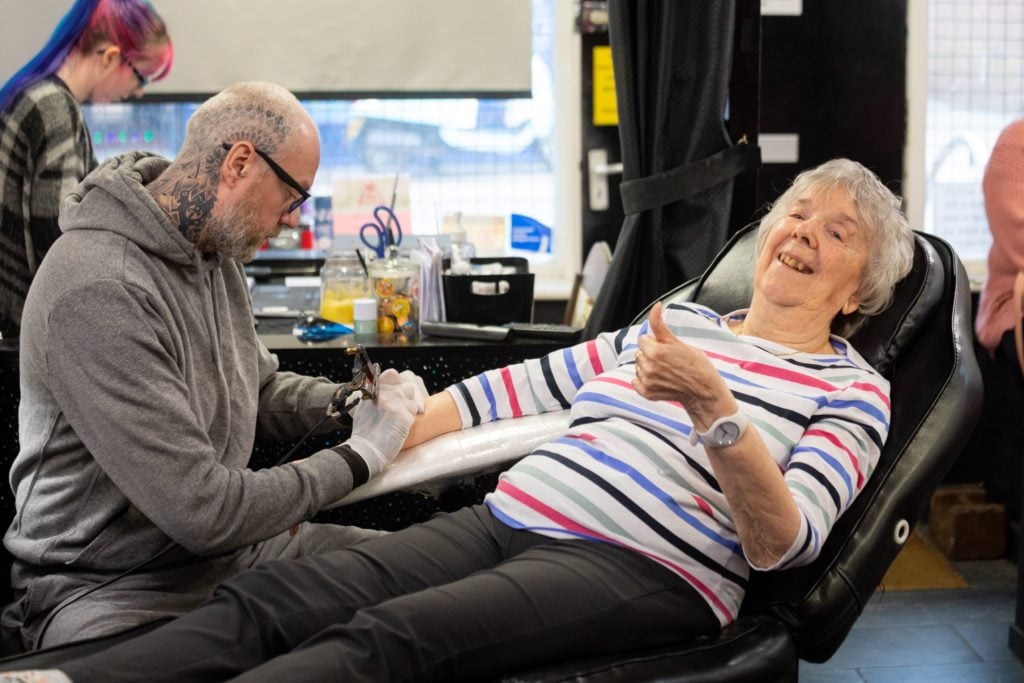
<point>101,51</point>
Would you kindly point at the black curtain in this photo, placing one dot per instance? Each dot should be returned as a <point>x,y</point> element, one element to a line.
<point>672,61</point>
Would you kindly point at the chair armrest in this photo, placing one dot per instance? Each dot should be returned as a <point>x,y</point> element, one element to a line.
<point>434,464</point>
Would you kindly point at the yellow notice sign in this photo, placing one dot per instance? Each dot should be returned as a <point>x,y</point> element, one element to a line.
<point>606,109</point>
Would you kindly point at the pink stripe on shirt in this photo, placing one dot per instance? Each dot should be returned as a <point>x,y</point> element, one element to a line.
<point>834,440</point>
<point>614,380</point>
<point>871,388</point>
<point>703,505</point>
<point>777,373</point>
<point>510,390</point>
<point>595,357</point>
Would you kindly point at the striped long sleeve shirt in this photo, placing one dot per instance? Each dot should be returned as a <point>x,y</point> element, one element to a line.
<point>626,473</point>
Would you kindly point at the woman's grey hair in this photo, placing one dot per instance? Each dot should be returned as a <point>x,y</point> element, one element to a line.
<point>890,239</point>
<point>265,114</point>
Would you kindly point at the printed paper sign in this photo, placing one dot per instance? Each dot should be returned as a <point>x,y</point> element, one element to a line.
<point>606,108</point>
<point>354,200</point>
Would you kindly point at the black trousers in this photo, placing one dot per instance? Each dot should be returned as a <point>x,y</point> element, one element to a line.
<point>461,597</point>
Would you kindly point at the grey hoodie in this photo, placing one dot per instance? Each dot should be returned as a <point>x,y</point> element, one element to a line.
<point>143,387</point>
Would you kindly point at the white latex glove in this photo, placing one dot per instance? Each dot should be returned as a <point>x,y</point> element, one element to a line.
<point>420,388</point>
<point>379,428</point>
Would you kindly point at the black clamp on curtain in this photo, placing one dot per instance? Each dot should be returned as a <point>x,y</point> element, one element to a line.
<point>689,179</point>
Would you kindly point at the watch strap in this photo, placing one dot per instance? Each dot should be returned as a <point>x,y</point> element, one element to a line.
<point>707,437</point>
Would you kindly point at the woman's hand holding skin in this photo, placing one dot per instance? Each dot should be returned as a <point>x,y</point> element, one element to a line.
<point>766,518</point>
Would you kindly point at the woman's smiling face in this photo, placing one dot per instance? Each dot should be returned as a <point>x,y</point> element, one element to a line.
<point>814,257</point>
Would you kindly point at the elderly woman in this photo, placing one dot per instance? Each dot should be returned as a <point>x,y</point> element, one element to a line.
<point>701,446</point>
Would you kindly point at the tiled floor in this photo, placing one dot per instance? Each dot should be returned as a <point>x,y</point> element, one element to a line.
<point>936,636</point>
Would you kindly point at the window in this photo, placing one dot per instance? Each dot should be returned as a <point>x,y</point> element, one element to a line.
<point>975,87</point>
<point>491,159</point>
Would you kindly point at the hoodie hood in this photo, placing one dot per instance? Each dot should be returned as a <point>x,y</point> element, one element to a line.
<point>113,198</point>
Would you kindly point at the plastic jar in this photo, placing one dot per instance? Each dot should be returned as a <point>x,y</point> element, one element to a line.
<point>342,281</point>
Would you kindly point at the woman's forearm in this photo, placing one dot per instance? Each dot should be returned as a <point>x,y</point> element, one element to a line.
<point>766,518</point>
<point>440,416</point>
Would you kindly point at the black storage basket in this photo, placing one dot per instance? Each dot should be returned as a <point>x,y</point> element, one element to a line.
<point>490,299</point>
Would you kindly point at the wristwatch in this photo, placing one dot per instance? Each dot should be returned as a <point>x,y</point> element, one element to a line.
<point>723,432</point>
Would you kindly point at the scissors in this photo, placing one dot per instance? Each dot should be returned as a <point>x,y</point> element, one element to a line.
<point>387,233</point>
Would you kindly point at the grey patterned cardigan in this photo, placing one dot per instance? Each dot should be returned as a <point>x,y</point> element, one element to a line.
<point>45,151</point>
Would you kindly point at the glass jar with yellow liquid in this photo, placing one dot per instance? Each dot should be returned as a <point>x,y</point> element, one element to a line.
<point>342,281</point>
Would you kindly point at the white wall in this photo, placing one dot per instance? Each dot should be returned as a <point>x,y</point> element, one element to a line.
<point>917,101</point>
<point>312,46</point>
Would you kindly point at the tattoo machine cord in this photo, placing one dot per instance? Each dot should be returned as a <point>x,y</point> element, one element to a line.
<point>363,384</point>
<point>75,597</point>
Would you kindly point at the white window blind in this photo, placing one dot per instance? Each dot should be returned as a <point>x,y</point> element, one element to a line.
<point>320,46</point>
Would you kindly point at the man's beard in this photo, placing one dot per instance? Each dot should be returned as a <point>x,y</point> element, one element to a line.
<point>232,233</point>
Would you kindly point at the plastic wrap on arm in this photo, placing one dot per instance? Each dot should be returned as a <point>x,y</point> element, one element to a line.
<point>432,466</point>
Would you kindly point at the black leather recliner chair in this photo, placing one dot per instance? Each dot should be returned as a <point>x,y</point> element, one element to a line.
<point>922,343</point>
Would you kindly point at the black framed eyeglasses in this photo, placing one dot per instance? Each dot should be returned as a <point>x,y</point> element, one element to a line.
<point>143,81</point>
<point>281,174</point>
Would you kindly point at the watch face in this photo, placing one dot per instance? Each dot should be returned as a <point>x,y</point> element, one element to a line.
<point>726,433</point>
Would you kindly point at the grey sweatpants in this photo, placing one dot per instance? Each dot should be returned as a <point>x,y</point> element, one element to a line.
<point>166,591</point>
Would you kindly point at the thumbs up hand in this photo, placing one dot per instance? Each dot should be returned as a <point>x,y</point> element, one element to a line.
<point>658,327</point>
<point>669,369</point>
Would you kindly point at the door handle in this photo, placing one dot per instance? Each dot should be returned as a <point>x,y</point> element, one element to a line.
<point>598,170</point>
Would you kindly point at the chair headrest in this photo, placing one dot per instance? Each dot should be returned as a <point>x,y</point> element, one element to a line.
<point>883,337</point>
<point>728,284</point>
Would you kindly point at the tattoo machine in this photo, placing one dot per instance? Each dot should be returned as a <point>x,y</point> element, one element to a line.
<point>364,383</point>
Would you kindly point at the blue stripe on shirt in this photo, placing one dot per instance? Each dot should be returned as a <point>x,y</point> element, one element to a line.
<point>649,486</point>
<point>485,384</point>
<point>632,507</point>
<point>862,406</point>
<point>602,399</point>
<point>570,366</point>
<point>832,461</point>
<point>819,401</point>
